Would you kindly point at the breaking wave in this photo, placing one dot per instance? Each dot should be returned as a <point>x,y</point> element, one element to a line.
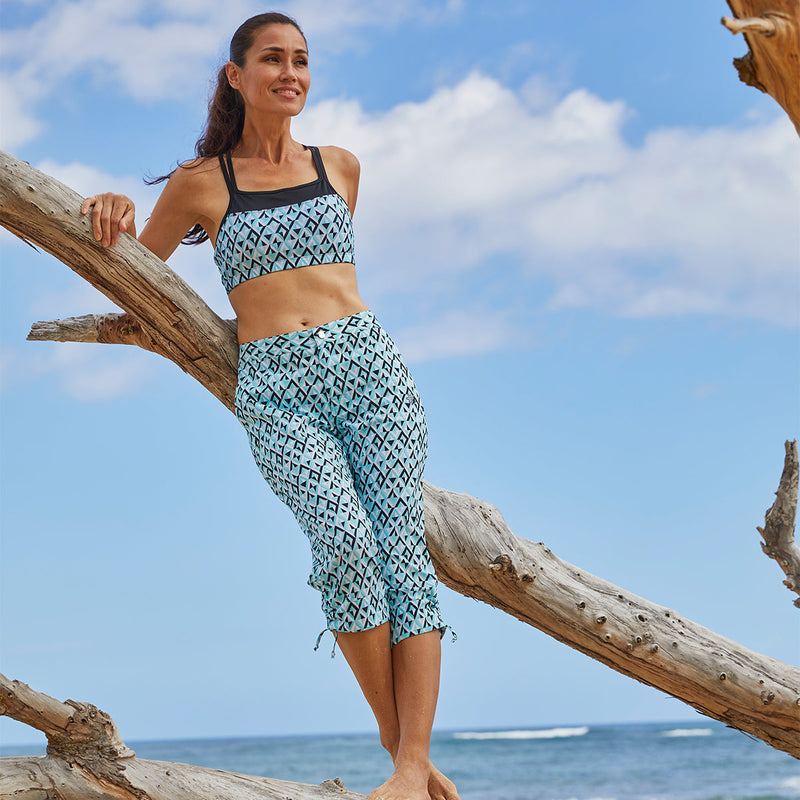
<point>688,732</point>
<point>550,733</point>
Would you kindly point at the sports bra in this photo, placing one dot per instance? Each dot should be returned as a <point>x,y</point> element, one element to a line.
<point>279,229</point>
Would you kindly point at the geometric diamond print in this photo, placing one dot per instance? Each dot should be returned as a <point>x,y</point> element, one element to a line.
<point>337,429</point>
<point>253,243</point>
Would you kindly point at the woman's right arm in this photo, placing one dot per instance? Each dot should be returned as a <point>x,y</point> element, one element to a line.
<point>180,206</point>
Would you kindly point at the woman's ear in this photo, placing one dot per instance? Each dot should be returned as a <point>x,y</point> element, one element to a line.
<point>232,71</point>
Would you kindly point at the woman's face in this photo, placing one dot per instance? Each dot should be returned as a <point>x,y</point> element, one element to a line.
<point>275,77</point>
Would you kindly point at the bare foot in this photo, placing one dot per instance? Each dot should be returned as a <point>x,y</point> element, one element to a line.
<point>440,787</point>
<point>407,783</point>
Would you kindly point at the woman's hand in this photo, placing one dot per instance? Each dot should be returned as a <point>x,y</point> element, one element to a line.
<point>112,214</point>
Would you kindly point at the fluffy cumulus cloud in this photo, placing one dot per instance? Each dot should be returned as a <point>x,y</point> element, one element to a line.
<point>535,187</point>
<point>150,50</point>
<point>689,221</point>
<point>139,47</point>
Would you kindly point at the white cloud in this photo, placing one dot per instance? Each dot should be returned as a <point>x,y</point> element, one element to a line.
<point>19,125</point>
<point>87,180</point>
<point>455,333</point>
<point>89,372</point>
<point>690,221</point>
<point>152,50</point>
<point>148,54</point>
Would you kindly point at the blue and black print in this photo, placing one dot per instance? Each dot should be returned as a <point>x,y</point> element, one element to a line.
<point>338,430</point>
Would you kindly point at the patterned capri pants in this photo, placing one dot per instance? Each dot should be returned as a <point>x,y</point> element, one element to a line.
<point>338,430</point>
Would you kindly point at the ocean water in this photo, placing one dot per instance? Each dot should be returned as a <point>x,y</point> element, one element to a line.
<point>685,761</point>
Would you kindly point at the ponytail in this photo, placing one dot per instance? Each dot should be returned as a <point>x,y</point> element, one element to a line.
<point>225,120</point>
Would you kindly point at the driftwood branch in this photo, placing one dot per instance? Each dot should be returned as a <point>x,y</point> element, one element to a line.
<point>87,760</point>
<point>778,531</point>
<point>772,65</point>
<point>473,550</point>
<point>109,328</point>
<point>477,555</point>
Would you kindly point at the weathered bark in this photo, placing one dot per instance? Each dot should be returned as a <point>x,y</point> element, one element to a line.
<point>772,31</point>
<point>473,550</point>
<point>87,760</point>
<point>109,328</point>
<point>778,531</point>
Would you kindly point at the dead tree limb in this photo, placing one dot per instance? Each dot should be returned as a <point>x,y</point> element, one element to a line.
<point>109,328</point>
<point>87,760</point>
<point>772,65</point>
<point>778,531</point>
<point>474,551</point>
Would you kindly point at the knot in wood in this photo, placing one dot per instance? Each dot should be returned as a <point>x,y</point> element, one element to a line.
<point>90,734</point>
<point>505,565</point>
<point>337,784</point>
<point>767,697</point>
<point>601,620</point>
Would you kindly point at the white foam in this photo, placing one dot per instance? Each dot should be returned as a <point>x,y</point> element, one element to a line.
<point>597,798</point>
<point>688,732</point>
<point>550,733</point>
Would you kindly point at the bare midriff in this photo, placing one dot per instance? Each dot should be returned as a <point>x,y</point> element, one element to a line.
<point>295,299</point>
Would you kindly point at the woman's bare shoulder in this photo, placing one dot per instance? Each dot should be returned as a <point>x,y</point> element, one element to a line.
<point>197,185</point>
<point>196,171</point>
<point>342,160</point>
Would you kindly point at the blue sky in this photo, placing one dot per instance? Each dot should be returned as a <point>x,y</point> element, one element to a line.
<point>582,231</point>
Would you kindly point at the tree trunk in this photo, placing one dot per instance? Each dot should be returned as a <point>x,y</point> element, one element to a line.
<point>772,31</point>
<point>473,550</point>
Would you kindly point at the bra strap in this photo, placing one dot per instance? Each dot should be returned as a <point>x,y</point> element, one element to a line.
<point>318,163</point>
<point>226,165</point>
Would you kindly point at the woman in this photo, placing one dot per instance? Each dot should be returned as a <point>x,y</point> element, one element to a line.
<point>333,417</point>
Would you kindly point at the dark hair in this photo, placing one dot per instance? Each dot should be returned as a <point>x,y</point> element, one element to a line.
<point>225,120</point>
